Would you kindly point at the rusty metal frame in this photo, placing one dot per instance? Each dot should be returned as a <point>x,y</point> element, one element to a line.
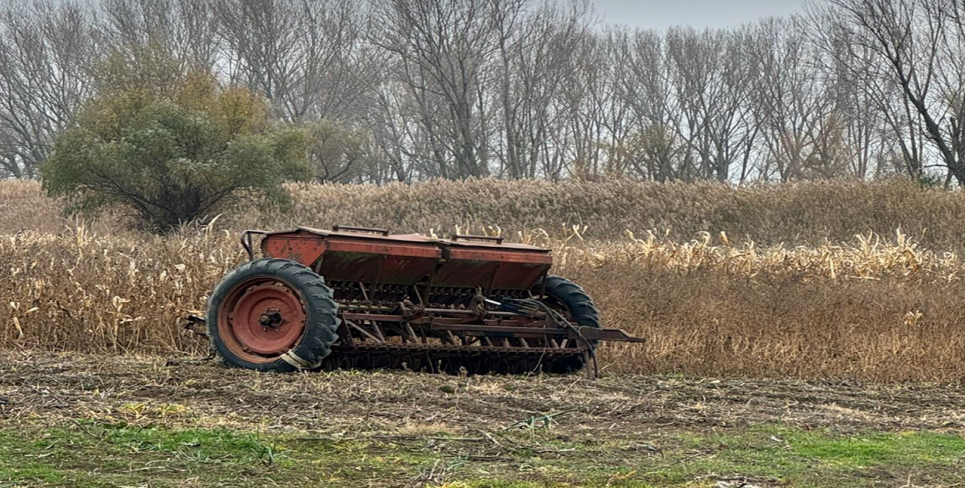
<point>246,241</point>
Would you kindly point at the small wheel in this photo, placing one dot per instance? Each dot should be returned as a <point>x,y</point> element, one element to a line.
<point>570,299</point>
<point>272,315</point>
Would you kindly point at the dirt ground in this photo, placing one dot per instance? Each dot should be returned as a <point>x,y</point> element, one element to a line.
<point>643,414</point>
<point>37,384</point>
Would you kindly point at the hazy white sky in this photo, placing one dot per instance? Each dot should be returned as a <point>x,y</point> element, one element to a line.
<point>660,14</point>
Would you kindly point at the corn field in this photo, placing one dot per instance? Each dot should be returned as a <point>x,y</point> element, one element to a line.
<point>875,307</point>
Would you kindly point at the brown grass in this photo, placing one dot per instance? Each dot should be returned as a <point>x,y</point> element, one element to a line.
<point>796,214</point>
<point>837,307</point>
<point>804,213</point>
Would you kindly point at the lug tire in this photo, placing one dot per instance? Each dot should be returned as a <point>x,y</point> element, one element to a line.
<point>582,312</point>
<point>304,289</point>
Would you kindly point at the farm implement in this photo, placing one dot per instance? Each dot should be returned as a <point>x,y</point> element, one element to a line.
<point>356,297</point>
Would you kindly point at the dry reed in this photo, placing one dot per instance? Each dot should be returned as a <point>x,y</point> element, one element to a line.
<point>795,214</point>
<point>873,310</point>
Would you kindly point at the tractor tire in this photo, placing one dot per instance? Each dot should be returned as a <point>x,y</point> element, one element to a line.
<point>582,312</point>
<point>272,315</point>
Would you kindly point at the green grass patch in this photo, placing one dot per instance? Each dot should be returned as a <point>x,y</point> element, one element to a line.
<point>91,454</point>
<point>900,449</point>
<point>88,454</point>
<point>822,457</point>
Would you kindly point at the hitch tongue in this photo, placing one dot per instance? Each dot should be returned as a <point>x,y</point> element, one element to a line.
<point>528,309</point>
<point>197,324</point>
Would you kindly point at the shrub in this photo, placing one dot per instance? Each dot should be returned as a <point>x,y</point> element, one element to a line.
<point>175,158</point>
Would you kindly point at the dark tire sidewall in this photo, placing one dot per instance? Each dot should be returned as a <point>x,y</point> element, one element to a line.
<point>582,311</point>
<point>581,307</point>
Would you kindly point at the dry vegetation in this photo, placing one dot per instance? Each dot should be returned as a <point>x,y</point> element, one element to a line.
<point>729,299</point>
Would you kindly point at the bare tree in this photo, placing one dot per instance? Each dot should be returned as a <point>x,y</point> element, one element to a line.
<point>711,76</point>
<point>46,51</point>
<point>791,100</point>
<point>917,42</point>
<point>404,90</point>
<point>586,94</point>
<point>182,30</point>
<point>305,55</point>
<point>444,51</point>
<point>534,55</point>
<point>654,150</point>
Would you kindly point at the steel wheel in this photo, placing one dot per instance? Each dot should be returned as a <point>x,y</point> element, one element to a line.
<point>261,319</point>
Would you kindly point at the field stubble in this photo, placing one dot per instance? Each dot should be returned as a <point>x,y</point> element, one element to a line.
<point>871,308</point>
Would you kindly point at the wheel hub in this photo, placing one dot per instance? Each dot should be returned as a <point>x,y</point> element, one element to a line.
<point>265,318</point>
<point>271,318</point>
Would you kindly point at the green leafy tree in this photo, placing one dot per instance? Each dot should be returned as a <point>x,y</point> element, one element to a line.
<point>177,156</point>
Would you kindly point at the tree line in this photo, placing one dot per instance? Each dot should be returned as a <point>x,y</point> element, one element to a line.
<point>407,90</point>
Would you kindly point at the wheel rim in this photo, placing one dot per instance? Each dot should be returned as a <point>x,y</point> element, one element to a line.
<point>261,319</point>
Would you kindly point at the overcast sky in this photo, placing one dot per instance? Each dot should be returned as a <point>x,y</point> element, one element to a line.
<point>660,14</point>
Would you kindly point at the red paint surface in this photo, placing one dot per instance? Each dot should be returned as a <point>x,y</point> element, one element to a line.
<point>410,258</point>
